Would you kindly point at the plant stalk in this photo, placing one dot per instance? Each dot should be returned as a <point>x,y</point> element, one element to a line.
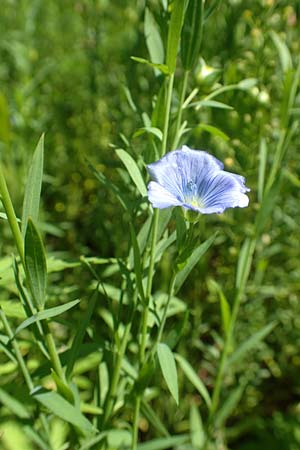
<point>151,268</point>
<point>17,351</point>
<point>11,216</point>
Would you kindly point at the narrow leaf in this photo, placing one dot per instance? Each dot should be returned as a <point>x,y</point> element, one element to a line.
<point>168,368</point>
<point>214,4</point>
<point>283,52</point>
<point>36,267</point>
<point>13,405</point>
<point>152,417</point>
<point>263,152</point>
<point>35,437</point>
<point>251,343</point>
<point>137,263</point>
<point>213,130</point>
<point>133,170</point>
<point>196,428</point>
<point>153,38</point>
<point>247,83</point>
<point>224,305</point>
<point>174,33</point>
<point>194,378</point>
<point>33,187</point>
<point>192,261</point>
<point>229,405</point>
<point>80,332</point>
<point>192,34</point>
<point>63,409</point>
<point>151,130</point>
<point>212,104</point>
<point>46,314</point>
<point>161,67</point>
<point>164,443</point>
<point>244,262</point>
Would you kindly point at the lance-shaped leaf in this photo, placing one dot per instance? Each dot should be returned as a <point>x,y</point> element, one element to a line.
<point>133,170</point>
<point>192,34</point>
<point>36,267</point>
<point>168,367</point>
<point>153,39</point>
<point>192,261</point>
<point>63,409</point>
<point>46,314</point>
<point>194,378</point>
<point>175,27</point>
<point>33,187</point>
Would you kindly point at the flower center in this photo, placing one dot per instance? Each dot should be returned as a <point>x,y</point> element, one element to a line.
<point>192,196</point>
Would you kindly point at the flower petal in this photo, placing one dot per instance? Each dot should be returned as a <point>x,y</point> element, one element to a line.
<point>225,190</point>
<point>160,197</point>
<point>180,167</point>
<point>195,180</point>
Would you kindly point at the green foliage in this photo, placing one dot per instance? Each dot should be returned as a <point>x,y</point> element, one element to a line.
<point>168,368</point>
<point>63,71</point>
<point>35,263</point>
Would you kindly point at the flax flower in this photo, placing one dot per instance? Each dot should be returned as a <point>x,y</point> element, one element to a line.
<point>195,180</point>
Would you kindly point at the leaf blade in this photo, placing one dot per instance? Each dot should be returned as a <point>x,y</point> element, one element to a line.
<point>251,343</point>
<point>168,367</point>
<point>133,170</point>
<point>174,33</point>
<point>46,314</point>
<point>192,261</point>
<point>193,378</point>
<point>33,187</point>
<point>63,409</point>
<point>35,263</point>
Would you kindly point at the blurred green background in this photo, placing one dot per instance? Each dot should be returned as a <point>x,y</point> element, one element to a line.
<point>64,70</point>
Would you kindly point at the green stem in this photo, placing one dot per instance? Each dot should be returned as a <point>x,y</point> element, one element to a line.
<point>151,268</point>
<point>167,114</point>
<point>166,307</point>
<point>221,368</point>
<point>229,336</point>
<point>55,360</point>
<point>135,425</point>
<point>109,404</point>
<point>11,216</point>
<point>149,287</point>
<point>180,109</point>
<point>17,351</point>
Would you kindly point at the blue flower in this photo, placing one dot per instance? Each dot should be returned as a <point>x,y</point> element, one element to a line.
<point>195,180</point>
